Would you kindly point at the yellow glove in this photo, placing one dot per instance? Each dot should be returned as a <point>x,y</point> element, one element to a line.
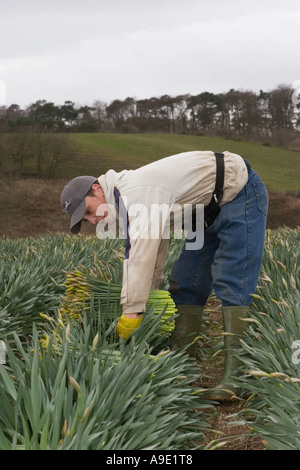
<point>126,326</point>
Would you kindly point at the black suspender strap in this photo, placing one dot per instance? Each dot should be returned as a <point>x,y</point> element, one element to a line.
<point>212,210</point>
<point>218,192</point>
<point>248,165</point>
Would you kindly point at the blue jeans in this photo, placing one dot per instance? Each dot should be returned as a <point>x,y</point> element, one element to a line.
<point>230,260</point>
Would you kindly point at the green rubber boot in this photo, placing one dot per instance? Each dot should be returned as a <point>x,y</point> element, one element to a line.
<point>187,328</point>
<point>234,329</point>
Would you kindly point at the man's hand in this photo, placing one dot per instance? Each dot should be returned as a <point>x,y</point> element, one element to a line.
<point>128,323</point>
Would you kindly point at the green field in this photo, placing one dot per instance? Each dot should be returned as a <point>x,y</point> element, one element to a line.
<point>96,153</point>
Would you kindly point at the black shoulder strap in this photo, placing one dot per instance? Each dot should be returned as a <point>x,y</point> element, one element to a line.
<point>218,192</point>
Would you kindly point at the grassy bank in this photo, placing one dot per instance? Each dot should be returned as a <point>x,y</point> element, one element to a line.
<point>96,153</point>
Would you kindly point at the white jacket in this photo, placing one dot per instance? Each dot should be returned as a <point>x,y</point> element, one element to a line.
<point>186,178</point>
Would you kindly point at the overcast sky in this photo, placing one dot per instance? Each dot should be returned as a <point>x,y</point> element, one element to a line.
<point>87,50</point>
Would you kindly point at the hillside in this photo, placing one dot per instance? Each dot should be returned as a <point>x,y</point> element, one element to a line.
<point>97,153</point>
<point>31,206</point>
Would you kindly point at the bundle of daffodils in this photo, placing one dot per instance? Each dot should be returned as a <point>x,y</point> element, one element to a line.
<point>93,287</point>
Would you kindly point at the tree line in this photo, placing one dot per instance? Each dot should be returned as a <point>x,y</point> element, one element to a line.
<point>264,116</point>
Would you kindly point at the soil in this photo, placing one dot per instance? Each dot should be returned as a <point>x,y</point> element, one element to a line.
<point>224,420</point>
<point>31,207</point>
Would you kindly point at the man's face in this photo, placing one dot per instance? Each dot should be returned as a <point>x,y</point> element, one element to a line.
<point>96,208</point>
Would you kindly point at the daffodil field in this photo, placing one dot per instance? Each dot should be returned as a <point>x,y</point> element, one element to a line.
<point>271,351</point>
<point>68,382</point>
